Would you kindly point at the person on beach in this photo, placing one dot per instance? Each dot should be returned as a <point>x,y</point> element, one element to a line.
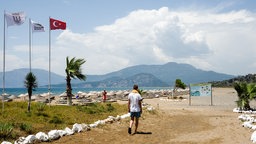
<point>134,108</point>
<point>104,96</point>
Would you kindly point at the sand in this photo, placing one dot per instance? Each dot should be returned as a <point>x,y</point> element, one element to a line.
<point>176,122</point>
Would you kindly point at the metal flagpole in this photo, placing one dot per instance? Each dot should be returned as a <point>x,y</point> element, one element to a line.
<point>49,78</point>
<point>3,68</point>
<point>29,45</point>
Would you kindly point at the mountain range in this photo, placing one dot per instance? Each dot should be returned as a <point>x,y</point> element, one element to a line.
<point>143,75</point>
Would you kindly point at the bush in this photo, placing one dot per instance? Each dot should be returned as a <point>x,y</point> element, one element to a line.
<point>5,130</point>
<point>26,127</point>
<point>110,108</point>
<point>56,120</point>
<point>40,107</point>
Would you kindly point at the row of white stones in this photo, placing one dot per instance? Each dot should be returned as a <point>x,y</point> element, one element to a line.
<point>56,134</point>
<point>248,119</point>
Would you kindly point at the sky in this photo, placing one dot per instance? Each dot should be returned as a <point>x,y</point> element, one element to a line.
<point>216,35</point>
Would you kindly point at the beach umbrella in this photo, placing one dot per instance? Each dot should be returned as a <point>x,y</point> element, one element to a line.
<point>12,97</point>
<point>111,93</point>
<point>79,92</point>
<point>23,95</point>
<point>64,94</point>
<point>119,92</point>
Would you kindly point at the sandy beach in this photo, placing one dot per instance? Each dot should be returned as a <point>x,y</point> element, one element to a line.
<point>176,122</point>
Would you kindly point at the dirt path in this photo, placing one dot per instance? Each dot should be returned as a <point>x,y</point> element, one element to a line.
<point>174,122</point>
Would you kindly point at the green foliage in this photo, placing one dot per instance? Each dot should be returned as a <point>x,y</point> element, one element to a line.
<point>250,78</point>
<point>141,92</point>
<point>246,93</point>
<point>96,108</point>
<point>30,83</point>
<point>179,84</point>
<point>5,130</point>
<point>56,120</point>
<point>26,127</point>
<point>45,118</point>
<point>73,70</point>
<point>40,107</point>
<point>110,108</point>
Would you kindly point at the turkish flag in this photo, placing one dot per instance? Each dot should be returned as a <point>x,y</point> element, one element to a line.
<point>57,24</point>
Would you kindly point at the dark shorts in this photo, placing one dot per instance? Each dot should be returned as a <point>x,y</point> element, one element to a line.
<point>135,114</point>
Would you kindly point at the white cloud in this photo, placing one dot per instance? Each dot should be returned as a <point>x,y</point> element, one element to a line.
<point>222,42</point>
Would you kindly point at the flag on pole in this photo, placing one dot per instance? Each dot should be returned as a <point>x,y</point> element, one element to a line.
<point>36,27</point>
<point>13,19</point>
<point>57,24</point>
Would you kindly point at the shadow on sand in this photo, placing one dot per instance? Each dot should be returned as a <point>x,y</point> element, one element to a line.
<point>140,132</point>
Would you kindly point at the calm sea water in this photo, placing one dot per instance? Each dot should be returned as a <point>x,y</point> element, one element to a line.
<point>58,91</point>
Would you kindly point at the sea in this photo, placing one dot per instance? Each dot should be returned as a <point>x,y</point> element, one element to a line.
<point>58,91</point>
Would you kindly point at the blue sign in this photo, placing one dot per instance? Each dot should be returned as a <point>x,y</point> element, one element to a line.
<point>200,89</point>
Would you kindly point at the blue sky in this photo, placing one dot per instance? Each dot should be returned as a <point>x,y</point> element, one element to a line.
<point>217,35</point>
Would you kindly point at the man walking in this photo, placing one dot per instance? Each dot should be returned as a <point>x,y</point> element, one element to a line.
<point>134,107</point>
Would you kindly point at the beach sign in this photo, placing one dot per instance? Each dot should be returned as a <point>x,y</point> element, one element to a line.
<point>201,89</point>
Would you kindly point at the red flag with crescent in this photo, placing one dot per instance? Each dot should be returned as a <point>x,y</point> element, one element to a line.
<point>57,24</point>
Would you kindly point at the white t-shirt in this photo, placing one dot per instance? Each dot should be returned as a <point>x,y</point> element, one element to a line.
<point>134,101</point>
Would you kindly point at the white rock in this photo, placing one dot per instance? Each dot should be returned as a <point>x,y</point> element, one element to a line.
<point>77,127</point>
<point>85,127</point>
<point>6,142</point>
<point>253,127</point>
<point>69,131</point>
<point>125,116</point>
<point>20,140</point>
<point>42,136</point>
<point>100,122</point>
<point>247,124</point>
<point>30,139</point>
<point>253,137</point>
<point>62,133</point>
<point>93,125</point>
<point>53,134</point>
<point>237,110</point>
<point>118,117</point>
<point>110,119</point>
<point>150,108</point>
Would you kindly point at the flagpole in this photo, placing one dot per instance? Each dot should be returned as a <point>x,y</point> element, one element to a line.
<point>49,78</point>
<point>29,45</point>
<point>3,68</point>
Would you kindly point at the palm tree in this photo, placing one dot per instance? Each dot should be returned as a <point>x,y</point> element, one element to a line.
<point>245,92</point>
<point>73,70</point>
<point>30,83</point>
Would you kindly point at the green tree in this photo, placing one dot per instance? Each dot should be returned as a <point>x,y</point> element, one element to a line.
<point>178,84</point>
<point>30,83</point>
<point>245,92</point>
<point>73,70</point>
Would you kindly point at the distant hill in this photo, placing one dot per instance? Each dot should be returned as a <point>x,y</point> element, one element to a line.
<point>142,79</point>
<point>144,75</point>
<point>167,73</point>
<point>250,78</point>
<point>15,78</point>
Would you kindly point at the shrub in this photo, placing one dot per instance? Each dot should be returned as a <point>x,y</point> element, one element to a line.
<point>40,107</point>
<point>56,120</point>
<point>110,108</point>
<point>26,127</point>
<point>5,130</point>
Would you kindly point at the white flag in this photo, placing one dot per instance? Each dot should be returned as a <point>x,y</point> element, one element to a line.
<point>36,27</point>
<point>15,18</point>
